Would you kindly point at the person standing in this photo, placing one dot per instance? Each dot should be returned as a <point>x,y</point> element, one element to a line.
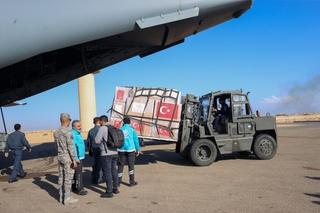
<point>94,151</point>
<point>109,159</point>
<point>16,142</point>
<point>66,159</point>
<point>80,152</point>
<point>129,151</point>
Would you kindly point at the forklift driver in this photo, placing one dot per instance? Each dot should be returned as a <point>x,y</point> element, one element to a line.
<point>221,116</point>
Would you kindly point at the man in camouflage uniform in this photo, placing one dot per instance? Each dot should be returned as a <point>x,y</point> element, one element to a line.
<point>66,159</point>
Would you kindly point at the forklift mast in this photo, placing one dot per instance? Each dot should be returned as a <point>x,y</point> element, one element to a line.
<point>187,124</point>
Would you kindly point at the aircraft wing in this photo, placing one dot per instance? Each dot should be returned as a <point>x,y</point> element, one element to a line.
<point>47,43</point>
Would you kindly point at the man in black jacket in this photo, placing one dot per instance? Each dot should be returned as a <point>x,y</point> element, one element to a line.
<point>16,142</point>
<point>94,151</point>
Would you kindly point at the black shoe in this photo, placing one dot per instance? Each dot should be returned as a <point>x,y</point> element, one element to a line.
<point>116,191</point>
<point>22,176</point>
<point>107,195</point>
<point>82,192</point>
<point>12,181</point>
<point>133,183</point>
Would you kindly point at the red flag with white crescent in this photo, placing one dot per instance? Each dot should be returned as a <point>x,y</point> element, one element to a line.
<point>164,132</point>
<point>120,95</point>
<point>167,110</point>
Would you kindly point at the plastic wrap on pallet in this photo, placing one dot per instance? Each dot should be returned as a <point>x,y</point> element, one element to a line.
<point>155,112</point>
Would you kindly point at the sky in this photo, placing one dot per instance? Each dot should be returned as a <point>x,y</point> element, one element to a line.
<point>272,51</point>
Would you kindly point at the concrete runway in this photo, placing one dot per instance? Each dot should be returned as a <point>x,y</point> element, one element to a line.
<point>167,183</point>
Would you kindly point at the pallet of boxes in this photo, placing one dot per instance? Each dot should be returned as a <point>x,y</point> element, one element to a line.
<point>154,112</point>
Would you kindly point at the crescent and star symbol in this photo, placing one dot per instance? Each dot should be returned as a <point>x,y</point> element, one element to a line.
<point>164,110</point>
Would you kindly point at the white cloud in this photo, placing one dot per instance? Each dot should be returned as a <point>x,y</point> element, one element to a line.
<point>273,100</point>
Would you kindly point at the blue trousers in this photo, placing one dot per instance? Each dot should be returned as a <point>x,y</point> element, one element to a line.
<point>17,166</point>
<point>97,174</point>
<point>110,171</point>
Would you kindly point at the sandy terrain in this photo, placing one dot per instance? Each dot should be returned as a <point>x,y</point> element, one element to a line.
<point>299,118</point>
<point>43,136</point>
<point>167,183</point>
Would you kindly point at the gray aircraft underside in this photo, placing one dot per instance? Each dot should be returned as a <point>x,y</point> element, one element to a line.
<point>45,43</point>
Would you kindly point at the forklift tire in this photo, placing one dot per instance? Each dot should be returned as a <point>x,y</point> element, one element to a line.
<point>203,152</point>
<point>265,147</point>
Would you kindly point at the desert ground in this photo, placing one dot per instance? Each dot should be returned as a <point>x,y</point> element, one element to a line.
<point>167,183</point>
<point>305,117</point>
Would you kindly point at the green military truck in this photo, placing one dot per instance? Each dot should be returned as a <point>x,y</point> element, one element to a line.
<point>222,123</point>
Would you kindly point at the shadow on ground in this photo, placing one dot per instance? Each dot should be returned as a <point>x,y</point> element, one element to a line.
<point>317,195</point>
<point>46,186</point>
<point>312,178</point>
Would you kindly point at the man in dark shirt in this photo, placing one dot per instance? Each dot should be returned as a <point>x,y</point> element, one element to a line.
<point>94,151</point>
<point>16,142</point>
<point>221,116</point>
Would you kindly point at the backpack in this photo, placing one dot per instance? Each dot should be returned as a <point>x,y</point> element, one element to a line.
<point>115,138</point>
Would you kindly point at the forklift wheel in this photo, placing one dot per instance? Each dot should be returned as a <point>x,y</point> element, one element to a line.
<point>265,147</point>
<point>203,152</point>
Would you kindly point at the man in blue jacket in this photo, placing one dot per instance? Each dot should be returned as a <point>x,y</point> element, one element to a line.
<point>129,151</point>
<point>16,142</point>
<point>80,151</point>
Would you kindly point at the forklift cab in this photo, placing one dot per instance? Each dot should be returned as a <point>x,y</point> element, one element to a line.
<point>226,113</point>
<point>227,117</point>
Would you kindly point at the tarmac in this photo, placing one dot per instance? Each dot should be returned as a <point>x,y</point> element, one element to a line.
<point>168,183</point>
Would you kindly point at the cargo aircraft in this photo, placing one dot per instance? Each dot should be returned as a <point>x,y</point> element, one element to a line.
<point>45,43</point>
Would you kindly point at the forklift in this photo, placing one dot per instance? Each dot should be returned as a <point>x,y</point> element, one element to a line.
<point>222,123</point>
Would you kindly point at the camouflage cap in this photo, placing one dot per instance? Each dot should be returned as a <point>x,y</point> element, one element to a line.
<point>64,116</point>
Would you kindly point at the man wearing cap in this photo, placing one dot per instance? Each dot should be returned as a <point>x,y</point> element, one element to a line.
<point>66,159</point>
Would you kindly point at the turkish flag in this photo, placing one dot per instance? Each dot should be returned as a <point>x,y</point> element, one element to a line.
<point>138,126</point>
<point>167,110</point>
<point>120,95</point>
<point>164,132</point>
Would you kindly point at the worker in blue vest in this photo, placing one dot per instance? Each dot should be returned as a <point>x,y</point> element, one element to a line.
<point>80,152</point>
<point>129,151</point>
